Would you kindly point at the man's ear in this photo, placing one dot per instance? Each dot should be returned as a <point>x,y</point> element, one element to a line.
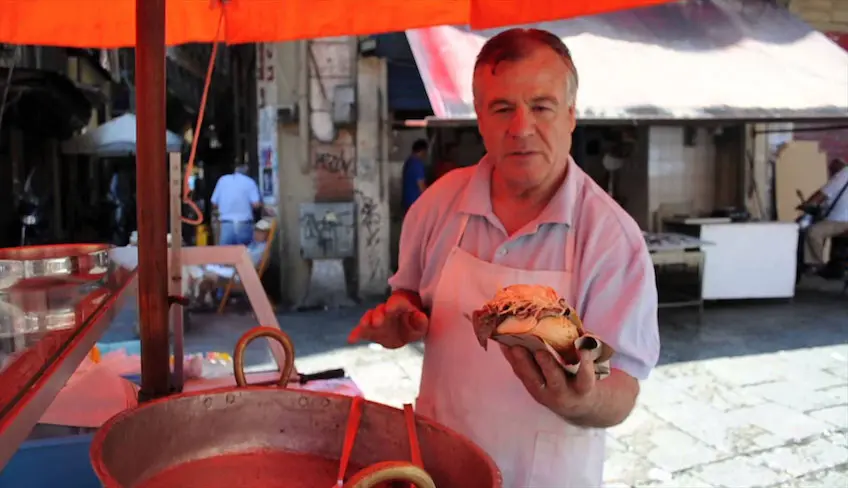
<point>572,116</point>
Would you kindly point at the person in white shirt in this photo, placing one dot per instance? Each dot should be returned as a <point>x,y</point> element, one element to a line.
<point>236,196</point>
<point>204,280</point>
<point>833,199</point>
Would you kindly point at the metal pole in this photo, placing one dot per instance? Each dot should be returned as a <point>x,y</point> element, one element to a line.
<point>176,268</point>
<point>152,188</point>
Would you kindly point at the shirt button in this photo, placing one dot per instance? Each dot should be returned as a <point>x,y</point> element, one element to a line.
<point>502,252</point>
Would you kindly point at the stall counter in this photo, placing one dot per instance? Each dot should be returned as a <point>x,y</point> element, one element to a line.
<point>747,260</point>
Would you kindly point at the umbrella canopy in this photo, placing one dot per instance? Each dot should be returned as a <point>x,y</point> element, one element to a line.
<point>111,23</point>
<point>114,139</point>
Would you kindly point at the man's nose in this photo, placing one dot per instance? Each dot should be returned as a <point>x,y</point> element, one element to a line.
<point>521,124</point>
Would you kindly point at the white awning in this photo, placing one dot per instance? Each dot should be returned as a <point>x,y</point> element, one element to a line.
<point>712,59</point>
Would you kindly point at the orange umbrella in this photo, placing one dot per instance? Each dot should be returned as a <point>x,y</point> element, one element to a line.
<point>111,23</point>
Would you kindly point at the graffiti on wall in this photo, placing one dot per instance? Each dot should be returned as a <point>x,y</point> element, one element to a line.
<point>371,223</point>
<point>266,90</point>
<point>337,163</point>
<point>334,168</point>
<point>327,230</point>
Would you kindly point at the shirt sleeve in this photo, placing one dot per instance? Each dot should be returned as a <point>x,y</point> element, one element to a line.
<point>254,192</point>
<point>832,188</point>
<point>418,171</point>
<point>620,306</point>
<point>410,253</point>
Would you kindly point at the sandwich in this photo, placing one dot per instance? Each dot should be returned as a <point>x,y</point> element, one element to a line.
<point>535,317</point>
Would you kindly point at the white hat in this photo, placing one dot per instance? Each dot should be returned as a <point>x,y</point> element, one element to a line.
<point>263,224</point>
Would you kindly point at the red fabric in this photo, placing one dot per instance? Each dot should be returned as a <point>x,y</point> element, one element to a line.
<point>840,38</point>
<point>111,23</point>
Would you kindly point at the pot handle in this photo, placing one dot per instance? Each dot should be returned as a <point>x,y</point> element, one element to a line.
<point>270,332</point>
<point>390,471</point>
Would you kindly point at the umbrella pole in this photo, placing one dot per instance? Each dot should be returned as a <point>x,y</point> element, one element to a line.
<point>152,190</point>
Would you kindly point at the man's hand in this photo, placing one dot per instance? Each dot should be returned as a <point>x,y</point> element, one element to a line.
<point>393,324</point>
<point>571,398</point>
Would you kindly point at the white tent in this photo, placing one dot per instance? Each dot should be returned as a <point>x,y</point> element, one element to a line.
<point>116,138</point>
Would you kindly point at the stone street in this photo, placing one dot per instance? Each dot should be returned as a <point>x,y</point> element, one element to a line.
<point>755,397</point>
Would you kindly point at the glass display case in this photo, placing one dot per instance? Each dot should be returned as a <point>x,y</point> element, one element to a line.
<point>54,304</point>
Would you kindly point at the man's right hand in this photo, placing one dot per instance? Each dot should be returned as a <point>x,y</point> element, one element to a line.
<point>393,324</point>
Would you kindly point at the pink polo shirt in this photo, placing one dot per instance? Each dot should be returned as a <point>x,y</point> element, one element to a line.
<point>614,289</point>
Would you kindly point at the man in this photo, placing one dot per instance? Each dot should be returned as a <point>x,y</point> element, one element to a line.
<point>204,280</point>
<point>833,198</point>
<point>526,214</point>
<point>414,174</point>
<point>236,196</point>
<point>447,163</point>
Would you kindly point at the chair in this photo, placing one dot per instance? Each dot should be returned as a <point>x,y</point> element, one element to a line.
<point>234,284</point>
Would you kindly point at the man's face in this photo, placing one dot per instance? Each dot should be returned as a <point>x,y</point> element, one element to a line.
<point>524,116</point>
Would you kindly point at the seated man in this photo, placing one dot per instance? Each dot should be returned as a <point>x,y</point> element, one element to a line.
<point>833,198</point>
<point>206,279</point>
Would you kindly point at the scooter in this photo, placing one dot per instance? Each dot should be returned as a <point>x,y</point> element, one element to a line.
<point>837,267</point>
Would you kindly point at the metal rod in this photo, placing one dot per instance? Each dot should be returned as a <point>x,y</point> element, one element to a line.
<point>152,187</point>
<point>175,267</point>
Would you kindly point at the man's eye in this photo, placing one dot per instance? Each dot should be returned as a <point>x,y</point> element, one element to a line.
<point>541,109</point>
<point>503,110</point>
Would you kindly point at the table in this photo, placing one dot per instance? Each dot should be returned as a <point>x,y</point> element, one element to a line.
<point>678,265</point>
<point>746,260</point>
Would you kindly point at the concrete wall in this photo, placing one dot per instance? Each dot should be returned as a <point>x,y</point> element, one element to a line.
<point>295,184</point>
<point>824,15</point>
<point>324,161</point>
<point>371,180</point>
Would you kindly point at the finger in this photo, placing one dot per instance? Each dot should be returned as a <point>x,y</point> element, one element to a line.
<point>585,378</point>
<point>358,331</point>
<point>398,304</point>
<point>417,321</point>
<point>365,321</point>
<point>378,317</point>
<point>355,335</point>
<point>551,370</point>
<point>525,367</point>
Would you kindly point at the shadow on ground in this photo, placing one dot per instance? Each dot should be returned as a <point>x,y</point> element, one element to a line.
<point>818,316</point>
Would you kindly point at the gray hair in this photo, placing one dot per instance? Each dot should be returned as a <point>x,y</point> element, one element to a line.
<point>514,44</point>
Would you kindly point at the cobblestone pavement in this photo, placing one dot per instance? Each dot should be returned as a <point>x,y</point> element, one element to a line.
<point>756,396</point>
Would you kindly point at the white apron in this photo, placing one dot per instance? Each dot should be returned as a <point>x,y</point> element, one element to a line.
<point>476,393</point>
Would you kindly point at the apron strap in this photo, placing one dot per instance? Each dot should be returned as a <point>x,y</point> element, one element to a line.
<point>463,223</point>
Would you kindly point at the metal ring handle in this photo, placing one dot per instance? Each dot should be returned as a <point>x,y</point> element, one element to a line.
<point>390,471</point>
<point>273,333</point>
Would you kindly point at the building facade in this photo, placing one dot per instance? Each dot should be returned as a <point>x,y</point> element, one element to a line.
<point>322,150</point>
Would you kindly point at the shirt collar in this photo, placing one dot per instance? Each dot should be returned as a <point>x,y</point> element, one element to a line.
<point>477,197</point>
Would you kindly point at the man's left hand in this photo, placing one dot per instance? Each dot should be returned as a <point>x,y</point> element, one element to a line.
<point>546,381</point>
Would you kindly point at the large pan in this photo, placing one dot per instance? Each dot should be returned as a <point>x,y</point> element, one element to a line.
<point>273,437</point>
